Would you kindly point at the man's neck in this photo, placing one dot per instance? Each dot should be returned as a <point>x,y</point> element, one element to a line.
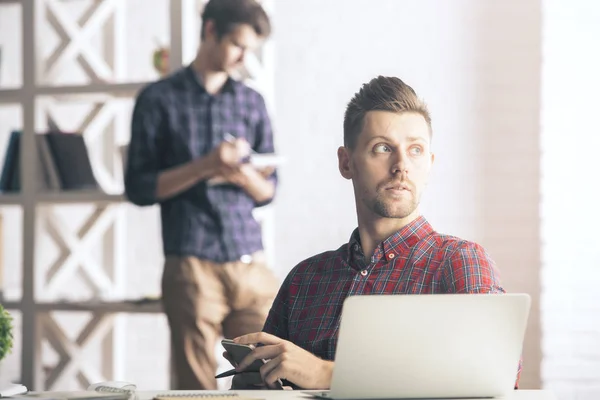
<point>373,231</point>
<point>213,81</point>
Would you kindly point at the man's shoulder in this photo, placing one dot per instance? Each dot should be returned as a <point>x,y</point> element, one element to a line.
<point>459,252</point>
<point>450,243</point>
<point>319,261</point>
<point>248,92</point>
<point>159,87</point>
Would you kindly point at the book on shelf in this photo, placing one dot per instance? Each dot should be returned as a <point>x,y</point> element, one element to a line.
<point>63,163</point>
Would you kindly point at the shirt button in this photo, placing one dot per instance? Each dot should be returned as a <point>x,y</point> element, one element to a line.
<point>364,272</point>
<point>391,255</point>
<point>355,247</point>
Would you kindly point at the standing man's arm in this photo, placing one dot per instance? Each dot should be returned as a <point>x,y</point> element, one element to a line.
<point>145,182</point>
<point>259,184</point>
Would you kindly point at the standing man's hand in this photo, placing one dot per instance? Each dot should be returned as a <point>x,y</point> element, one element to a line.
<point>286,361</point>
<point>227,156</point>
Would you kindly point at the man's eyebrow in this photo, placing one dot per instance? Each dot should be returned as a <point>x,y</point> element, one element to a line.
<point>380,137</point>
<point>416,139</point>
<point>389,139</point>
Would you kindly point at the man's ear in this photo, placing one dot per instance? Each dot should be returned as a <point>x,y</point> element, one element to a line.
<point>344,162</point>
<point>209,29</point>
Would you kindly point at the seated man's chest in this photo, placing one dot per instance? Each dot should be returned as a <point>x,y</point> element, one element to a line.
<point>315,318</point>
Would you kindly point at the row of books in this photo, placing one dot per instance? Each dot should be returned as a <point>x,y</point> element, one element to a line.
<point>64,163</point>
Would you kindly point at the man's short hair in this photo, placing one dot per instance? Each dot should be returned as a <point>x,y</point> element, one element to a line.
<point>227,14</point>
<point>383,94</point>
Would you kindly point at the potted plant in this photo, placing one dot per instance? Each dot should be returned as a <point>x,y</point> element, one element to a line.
<point>6,334</point>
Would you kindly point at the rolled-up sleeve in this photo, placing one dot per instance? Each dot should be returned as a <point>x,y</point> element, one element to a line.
<point>264,142</point>
<point>470,269</point>
<point>143,162</point>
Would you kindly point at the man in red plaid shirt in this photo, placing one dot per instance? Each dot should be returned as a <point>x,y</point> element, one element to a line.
<point>387,156</point>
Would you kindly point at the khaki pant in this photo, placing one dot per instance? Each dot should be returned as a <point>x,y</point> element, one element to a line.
<point>204,300</point>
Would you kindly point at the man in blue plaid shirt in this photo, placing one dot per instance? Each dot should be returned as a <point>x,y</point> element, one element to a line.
<point>191,133</point>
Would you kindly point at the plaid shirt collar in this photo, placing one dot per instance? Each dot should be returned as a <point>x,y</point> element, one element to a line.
<point>230,86</point>
<point>398,243</point>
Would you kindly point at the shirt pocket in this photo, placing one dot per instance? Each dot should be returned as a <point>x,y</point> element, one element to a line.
<point>238,124</point>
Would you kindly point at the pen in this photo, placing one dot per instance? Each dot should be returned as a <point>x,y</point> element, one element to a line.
<point>231,372</point>
<point>228,137</point>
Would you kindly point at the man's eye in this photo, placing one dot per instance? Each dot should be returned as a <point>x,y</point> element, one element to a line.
<point>416,150</point>
<point>381,148</point>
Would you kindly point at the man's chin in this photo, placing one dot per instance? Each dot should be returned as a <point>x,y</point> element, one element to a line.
<point>391,207</point>
<point>394,212</point>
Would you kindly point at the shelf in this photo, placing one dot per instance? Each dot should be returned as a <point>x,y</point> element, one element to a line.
<point>10,199</point>
<point>133,306</point>
<point>11,305</point>
<point>124,89</point>
<point>79,196</point>
<point>64,197</point>
<point>149,307</point>
<point>107,89</point>
<point>10,96</point>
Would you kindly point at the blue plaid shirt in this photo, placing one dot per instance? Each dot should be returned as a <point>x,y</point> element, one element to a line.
<point>175,120</point>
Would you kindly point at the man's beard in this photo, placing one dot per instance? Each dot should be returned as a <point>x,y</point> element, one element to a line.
<point>384,209</point>
<point>401,208</point>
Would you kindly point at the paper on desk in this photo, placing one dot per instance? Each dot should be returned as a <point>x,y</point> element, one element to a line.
<point>205,396</point>
<point>77,395</point>
<point>12,389</point>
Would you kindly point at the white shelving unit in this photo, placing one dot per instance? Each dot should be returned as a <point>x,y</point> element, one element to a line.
<point>36,96</point>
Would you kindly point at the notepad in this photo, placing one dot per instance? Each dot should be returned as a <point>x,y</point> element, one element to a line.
<point>202,396</point>
<point>263,160</point>
<point>258,160</point>
<point>78,395</point>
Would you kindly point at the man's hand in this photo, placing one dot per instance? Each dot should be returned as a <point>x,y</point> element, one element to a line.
<point>239,176</point>
<point>286,361</point>
<point>227,156</point>
<point>266,172</point>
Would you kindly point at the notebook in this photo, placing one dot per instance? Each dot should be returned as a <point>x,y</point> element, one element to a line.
<point>76,395</point>
<point>129,389</point>
<point>202,396</point>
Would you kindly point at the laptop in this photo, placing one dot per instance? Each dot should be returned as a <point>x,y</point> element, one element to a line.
<point>428,346</point>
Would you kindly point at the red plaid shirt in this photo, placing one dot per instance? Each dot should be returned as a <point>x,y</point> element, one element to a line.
<point>414,260</point>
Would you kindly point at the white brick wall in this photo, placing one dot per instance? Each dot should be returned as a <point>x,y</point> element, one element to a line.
<point>569,209</point>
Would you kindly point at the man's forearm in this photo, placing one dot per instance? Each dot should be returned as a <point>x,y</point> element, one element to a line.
<point>175,180</point>
<point>258,187</point>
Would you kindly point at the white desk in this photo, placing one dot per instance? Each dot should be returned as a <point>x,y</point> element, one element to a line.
<point>301,395</point>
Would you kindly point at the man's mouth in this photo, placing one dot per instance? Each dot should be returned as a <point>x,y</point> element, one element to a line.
<point>398,186</point>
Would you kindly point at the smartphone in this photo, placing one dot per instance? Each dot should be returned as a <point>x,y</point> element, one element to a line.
<point>238,352</point>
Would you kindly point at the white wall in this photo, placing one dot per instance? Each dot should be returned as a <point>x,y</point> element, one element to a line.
<point>570,214</point>
<point>477,65</point>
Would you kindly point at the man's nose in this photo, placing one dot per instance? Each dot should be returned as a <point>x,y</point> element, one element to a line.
<point>400,165</point>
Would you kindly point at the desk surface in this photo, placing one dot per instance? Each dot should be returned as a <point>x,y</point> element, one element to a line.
<point>301,395</point>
